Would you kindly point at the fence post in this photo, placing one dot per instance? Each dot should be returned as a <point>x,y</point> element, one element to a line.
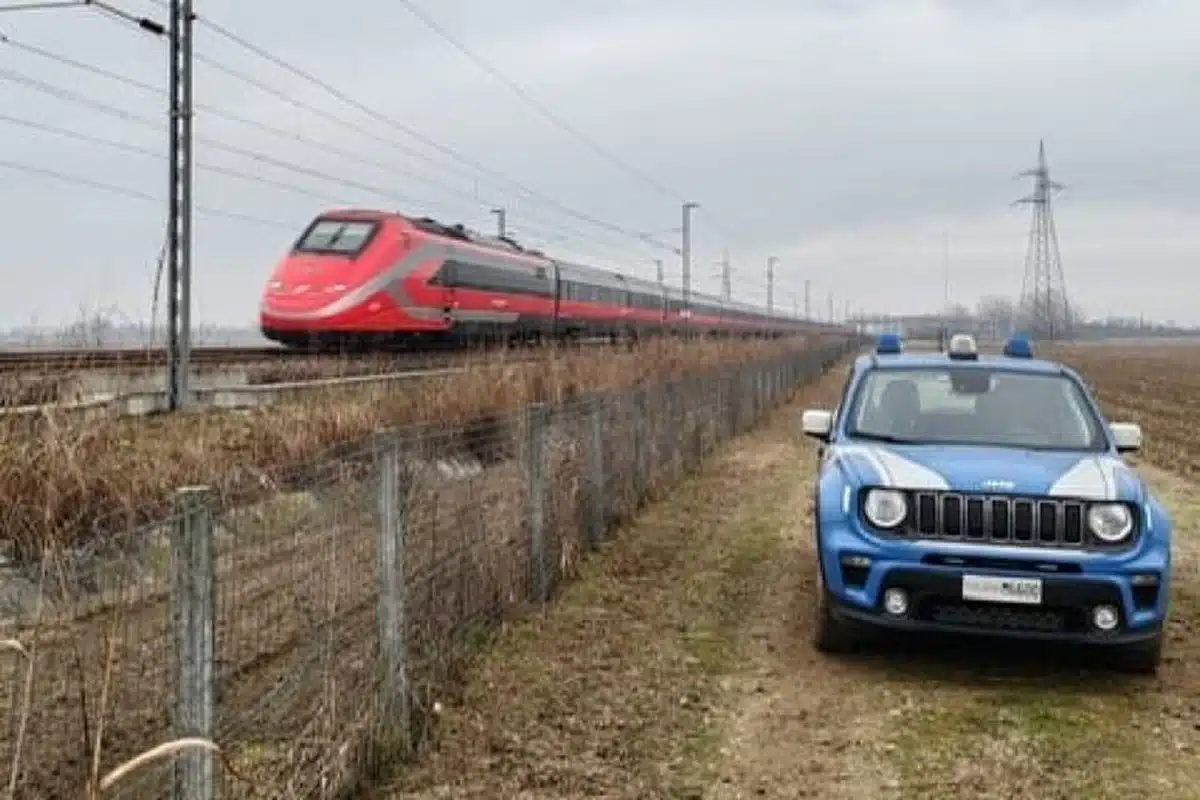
<point>538,422</point>
<point>193,617</point>
<point>598,508</point>
<point>674,425</point>
<point>391,613</point>
<point>641,447</point>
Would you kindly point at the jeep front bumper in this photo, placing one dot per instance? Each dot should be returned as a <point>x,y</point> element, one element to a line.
<point>934,602</point>
<point>1134,586</point>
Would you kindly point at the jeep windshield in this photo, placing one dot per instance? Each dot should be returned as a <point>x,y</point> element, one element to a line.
<point>974,406</point>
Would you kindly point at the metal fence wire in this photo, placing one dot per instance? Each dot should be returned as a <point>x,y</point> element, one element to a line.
<point>308,635</point>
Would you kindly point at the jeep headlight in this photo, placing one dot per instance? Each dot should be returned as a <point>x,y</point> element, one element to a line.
<point>885,508</point>
<point>1110,522</point>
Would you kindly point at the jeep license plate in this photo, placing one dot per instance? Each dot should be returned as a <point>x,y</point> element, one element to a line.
<point>991,589</point>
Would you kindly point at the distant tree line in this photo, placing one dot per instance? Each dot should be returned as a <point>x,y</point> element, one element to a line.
<point>996,317</point>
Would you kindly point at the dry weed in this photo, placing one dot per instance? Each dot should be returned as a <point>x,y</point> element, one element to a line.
<point>65,482</point>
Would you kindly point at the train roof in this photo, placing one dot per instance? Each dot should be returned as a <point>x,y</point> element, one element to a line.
<point>595,275</point>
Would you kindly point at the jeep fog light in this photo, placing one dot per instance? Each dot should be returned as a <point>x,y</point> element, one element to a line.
<point>1105,618</point>
<point>885,508</point>
<point>895,601</point>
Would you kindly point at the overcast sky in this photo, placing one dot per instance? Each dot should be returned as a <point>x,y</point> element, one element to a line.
<point>845,137</point>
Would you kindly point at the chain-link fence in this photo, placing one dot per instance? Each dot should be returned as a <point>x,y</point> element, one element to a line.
<point>309,635</point>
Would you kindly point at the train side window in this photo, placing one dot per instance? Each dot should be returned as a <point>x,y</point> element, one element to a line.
<point>486,278</point>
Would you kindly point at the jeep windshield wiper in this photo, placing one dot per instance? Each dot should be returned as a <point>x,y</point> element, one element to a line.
<point>883,437</point>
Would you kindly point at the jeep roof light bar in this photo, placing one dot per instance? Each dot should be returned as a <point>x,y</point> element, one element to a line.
<point>962,347</point>
<point>1018,346</point>
<point>889,344</point>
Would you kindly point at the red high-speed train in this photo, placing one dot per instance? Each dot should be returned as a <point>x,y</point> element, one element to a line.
<point>363,278</point>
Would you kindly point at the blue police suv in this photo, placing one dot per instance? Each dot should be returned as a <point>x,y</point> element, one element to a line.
<point>983,494</point>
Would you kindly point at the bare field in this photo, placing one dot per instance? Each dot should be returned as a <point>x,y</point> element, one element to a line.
<point>1154,384</point>
<point>679,666</point>
<point>63,481</point>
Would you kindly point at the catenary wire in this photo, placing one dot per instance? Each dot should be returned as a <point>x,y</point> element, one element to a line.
<point>554,118</point>
<point>201,166</point>
<point>541,108</point>
<point>409,131</point>
<point>230,116</point>
<point>293,188</point>
<point>138,194</point>
<point>152,153</point>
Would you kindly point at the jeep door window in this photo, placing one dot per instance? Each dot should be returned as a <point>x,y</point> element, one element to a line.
<point>975,406</point>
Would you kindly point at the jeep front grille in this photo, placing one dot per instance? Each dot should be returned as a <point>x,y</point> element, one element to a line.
<point>991,519</point>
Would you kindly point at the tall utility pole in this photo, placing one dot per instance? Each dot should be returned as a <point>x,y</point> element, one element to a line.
<point>795,306</point>
<point>501,222</point>
<point>831,306</point>
<point>1043,289</point>
<point>726,278</point>
<point>179,197</point>
<point>179,227</point>
<point>688,207</point>
<point>807,298</point>
<point>658,263</point>
<point>946,270</point>
<point>771,285</point>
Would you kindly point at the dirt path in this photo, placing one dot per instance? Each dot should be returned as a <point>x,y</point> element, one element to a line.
<point>679,666</point>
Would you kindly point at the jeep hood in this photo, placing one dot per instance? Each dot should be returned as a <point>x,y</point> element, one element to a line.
<point>999,470</point>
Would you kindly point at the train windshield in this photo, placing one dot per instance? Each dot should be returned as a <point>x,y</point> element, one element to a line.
<point>337,236</point>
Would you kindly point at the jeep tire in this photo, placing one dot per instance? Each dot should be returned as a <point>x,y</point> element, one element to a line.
<point>1141,658</point>
<point>830,634</point>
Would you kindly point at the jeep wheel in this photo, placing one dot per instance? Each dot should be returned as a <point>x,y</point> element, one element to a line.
<point>1141,658</point>
<point>830,634</point>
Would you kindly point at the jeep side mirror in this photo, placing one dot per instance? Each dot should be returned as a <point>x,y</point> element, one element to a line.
<point>817,423</point>
<point>1127,436</point>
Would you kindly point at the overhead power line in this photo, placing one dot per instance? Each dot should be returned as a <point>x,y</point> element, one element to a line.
<point>446,150</point>
<point>554,118</point>
<point>136,194</point>
<point>229,116</point>
<point>546,112</point>
<point>151,153</point>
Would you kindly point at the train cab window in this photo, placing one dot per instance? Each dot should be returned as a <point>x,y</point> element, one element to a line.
<point>335,236</point>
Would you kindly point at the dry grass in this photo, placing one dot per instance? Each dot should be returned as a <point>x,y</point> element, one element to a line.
<point>62,481</point>
<point>632,687</point>
<point>296,628</point>
<point>611,692</point>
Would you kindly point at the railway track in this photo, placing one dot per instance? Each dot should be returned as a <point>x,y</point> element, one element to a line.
<point>307,371</point>
<point>74,358</point>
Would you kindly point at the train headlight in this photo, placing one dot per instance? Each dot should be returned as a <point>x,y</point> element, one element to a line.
<point>1111,523</point>
<point>885,508</point>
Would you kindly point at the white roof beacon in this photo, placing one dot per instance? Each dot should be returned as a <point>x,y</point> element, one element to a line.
<point>962,347</point>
